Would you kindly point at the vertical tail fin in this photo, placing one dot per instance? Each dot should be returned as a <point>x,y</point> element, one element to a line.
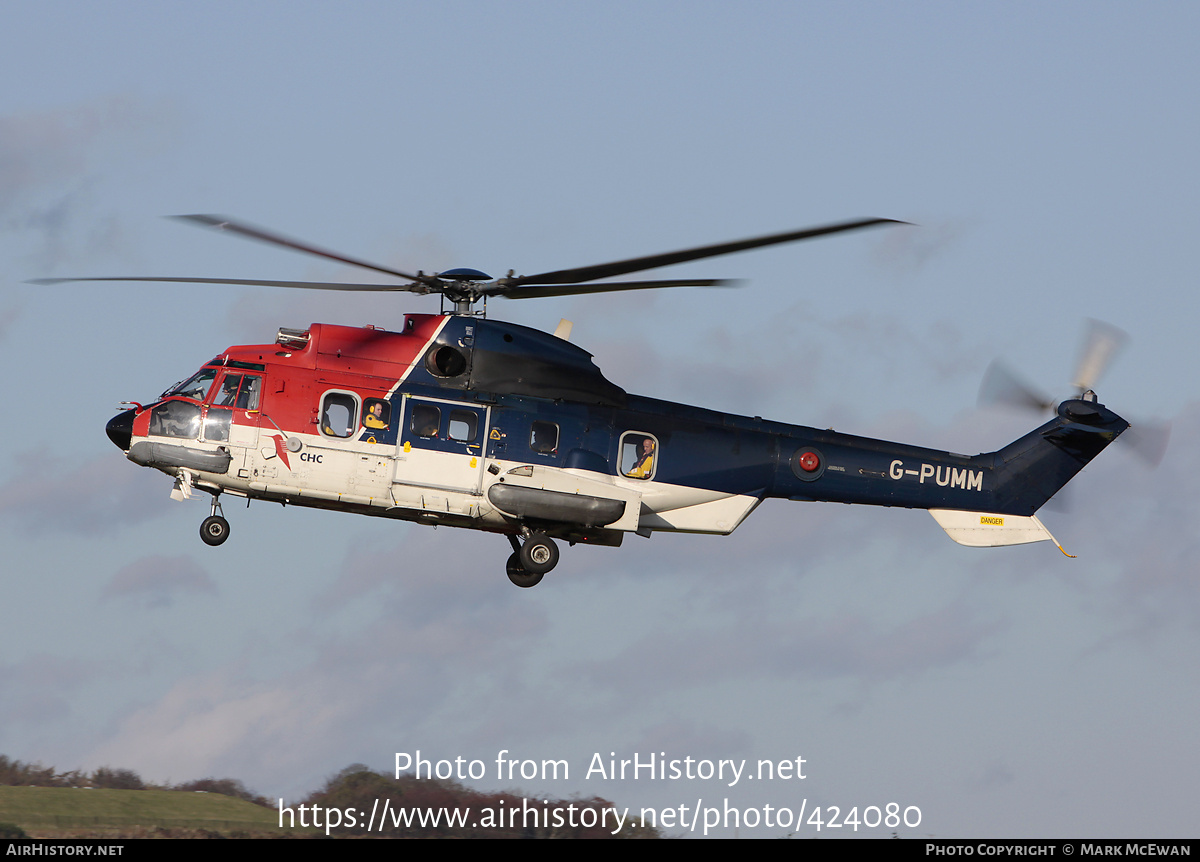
<point>1029,471</point>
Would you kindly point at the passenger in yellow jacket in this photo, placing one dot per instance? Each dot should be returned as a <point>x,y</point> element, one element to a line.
<point>645,464</point>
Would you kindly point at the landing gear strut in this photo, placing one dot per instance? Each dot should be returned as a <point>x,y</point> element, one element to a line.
<point>214,529</point>
<point>530,561</point>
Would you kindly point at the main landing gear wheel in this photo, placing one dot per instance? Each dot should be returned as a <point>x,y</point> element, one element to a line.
<point>519,576</point>
<point>531,560</point>
<point>214,530</point>
<point>539,554</point>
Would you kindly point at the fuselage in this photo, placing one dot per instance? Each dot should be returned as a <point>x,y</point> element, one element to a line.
<point>470,422</point>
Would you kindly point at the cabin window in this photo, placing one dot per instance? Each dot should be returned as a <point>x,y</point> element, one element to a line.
<point>339,414</point>
<point>377,414</point>
<point>464,425</point>
<point>425,421</point>
<point>543,439</point>
<point>639,455</point>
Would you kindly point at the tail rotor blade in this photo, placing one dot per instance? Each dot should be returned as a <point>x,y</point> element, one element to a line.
<point>1149,440</point>
<point>1102,342</point>
<point>1001,386</point>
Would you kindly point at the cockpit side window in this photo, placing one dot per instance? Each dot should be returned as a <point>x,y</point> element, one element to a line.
<point>175,419</point>
<point>248,395</point>
<point>227,395</point>
<point>239,390</point>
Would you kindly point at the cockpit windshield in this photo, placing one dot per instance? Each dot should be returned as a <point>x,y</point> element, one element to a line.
<point>196,386</point>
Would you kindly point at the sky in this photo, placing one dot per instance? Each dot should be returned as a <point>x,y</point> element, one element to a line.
<point>1046,157</point>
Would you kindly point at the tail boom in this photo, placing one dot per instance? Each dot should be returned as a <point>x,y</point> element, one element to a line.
<point>985,500</point>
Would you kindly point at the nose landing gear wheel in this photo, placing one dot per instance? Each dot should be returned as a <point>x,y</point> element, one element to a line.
<point>539,553</point>
<point>214,530</point>
<point>519,576</point>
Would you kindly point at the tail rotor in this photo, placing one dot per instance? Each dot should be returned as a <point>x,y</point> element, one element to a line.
<point>1101,344</point>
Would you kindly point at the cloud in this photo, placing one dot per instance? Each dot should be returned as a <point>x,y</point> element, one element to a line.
<point>755,646</point>
<point>9,315</point>
<point>49,494</point>
<point>160,580</point>
<point>1138,526</point>
<point>49,167</point>
<point>683,736</point>
<point>438,633</point>
<point>995,776</point>
<point>798,365</point>
<point>38,690</point>
<point>215,724</point>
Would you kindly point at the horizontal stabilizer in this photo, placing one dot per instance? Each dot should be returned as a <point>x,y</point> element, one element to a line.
<point>985,530</point>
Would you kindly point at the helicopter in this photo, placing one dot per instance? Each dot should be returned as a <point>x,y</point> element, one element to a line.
<point>465,421</point>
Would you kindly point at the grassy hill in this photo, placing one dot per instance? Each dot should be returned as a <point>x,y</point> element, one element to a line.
<point>116,803</point>
<point>60,812</point>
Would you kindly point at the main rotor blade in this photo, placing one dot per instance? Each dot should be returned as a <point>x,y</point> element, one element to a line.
<point>1101,344</point>
<point>534,291</point>
<point>1001,386</point>
<point>637,264</point>
<point>257,233</point>
<point>254,282</point>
